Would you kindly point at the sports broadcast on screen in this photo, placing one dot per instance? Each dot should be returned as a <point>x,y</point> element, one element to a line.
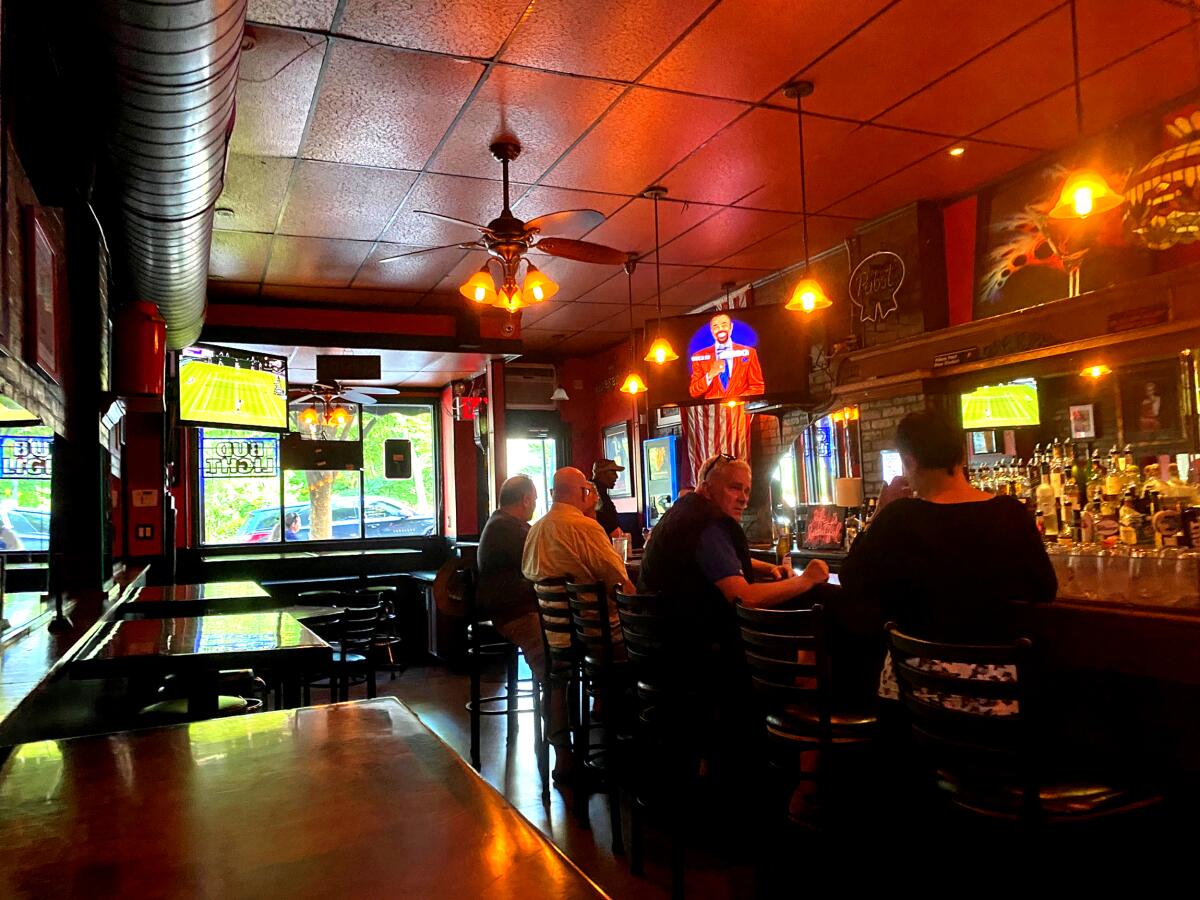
<point>1009,405</point>
<point>233,388</point>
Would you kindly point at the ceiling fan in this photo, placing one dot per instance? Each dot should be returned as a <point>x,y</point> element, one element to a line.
<point>507,240</point>
<point>333,399</point>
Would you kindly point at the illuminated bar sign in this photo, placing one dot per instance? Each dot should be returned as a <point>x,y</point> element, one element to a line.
<point>25,457</point>
<point>240,457</point>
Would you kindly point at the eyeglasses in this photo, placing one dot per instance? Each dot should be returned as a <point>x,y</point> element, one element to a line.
<point>713,463</point>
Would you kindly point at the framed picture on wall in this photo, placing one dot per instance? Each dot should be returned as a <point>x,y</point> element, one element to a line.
<point>667,416</point>
<point>41,296</point>
<point>1083,421</point>
<point>616,448</point>
<point>1150,403</point>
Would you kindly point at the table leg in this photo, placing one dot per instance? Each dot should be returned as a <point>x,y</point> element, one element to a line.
<point>203,695</point>
<point>291,689</point>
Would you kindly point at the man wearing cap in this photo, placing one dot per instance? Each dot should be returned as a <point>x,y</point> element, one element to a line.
<point>604,475</point>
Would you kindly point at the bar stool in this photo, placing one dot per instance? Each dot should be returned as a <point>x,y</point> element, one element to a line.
<point>484,642</point>
<point>562,664</point>
<point>387,637</point>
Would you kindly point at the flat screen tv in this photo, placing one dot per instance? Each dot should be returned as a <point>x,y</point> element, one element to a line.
<point>1011,405</point>
<point>220,386</point>
<point>760,353</point>
<point>12,413</point>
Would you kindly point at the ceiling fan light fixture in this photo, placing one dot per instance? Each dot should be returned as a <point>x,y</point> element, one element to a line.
<point>309,417</point>
<point>1085,193</point>
<point>538,286</point>
<point>480,287</point>
<point>808,296</point>
<point>661,352</point>
<point>633,384</point>
<point>339,416</point>
<point>510,298</point>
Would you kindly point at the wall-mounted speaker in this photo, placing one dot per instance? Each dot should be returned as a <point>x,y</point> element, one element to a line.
<point>397,458</point>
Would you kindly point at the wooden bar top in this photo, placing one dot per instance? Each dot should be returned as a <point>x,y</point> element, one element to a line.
<point>351,800</point>
<point>213,590</point>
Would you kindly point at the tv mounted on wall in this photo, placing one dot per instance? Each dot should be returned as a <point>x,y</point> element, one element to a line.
<point>1011,405</point>
<point>221,386</point>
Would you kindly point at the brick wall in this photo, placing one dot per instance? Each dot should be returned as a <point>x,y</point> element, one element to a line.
<point>877,421</point>
<point>19,381</point>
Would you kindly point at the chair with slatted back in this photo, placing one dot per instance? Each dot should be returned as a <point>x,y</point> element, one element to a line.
<point>562,662</point>
<point>790,671</point>
<point>605,680</point>
<point>974,713</point>
<point>386,644</point>
<point>353,662</point>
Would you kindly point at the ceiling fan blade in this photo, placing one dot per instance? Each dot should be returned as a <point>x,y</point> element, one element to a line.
<point>582,251</point>
<point>474,245</point>
<point>445,218</point>
<point>356,397</point>
<point>575,218</point>
<point>304,398</point>
<point>369,389</point>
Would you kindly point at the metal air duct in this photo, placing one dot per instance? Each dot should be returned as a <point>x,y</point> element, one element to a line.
<point>175,66</point>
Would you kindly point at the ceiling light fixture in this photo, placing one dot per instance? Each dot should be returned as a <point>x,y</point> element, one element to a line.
<point>1085,192</point>
<point>480,287</point>
<point>309,417</point>
<point>660,351</point>
<point>1096,371</point>
<point>957,151</point>
<point>560,393</point>
<point>537,286</point>
<point>338,416</point>
<point>808,295</point>
<point>633,383</point>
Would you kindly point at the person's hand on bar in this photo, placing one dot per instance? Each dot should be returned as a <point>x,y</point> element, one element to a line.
<point>817,572</point>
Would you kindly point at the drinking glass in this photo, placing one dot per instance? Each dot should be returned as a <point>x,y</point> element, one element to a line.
<point>621,545</point>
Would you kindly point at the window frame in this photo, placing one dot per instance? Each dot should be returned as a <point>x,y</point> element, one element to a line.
<point>361,542</point>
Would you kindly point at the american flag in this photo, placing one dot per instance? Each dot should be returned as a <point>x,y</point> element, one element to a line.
<point>716,428</point>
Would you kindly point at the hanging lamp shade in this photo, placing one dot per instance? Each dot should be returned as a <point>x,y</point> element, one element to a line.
<point>1096,371</point>
<point>309,417</point>
<point>1085,193</point>
<point>480,287</point>
<point>633,384</point>
<point>808,296</point>
<point>538,286</point>
<point>339,416</point>
<point>661,352</point>
<point>510,298</point>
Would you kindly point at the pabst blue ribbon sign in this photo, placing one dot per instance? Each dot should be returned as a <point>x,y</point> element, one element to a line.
<point>874,284</point>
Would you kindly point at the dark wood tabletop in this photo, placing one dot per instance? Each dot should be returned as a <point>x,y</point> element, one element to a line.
<point>356,799</point>
<point>131,647</point>
<point>164,601</point>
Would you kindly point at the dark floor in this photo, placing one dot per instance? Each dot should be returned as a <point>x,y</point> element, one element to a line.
<point>437,695</point>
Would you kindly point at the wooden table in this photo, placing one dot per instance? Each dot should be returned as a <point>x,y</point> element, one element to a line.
<point>351,800</point>
<point>198,599</point>
<point>198,647</point>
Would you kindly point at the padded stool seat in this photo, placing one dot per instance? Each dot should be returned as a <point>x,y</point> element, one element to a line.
<point>178,707</point>
<point>1063,801</point>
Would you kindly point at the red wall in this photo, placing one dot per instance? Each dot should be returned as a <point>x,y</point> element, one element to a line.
<point>593,385</point>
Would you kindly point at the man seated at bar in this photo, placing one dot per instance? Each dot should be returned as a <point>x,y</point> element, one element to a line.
<point>604,477</point>
<point>941,559</point>
<point>566,542</point>
<point>698,549</point>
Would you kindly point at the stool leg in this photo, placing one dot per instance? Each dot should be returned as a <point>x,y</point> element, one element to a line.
<point>474,664</point>
<point>636,836</point>
<point>582,749</point>
<point>512,698</point>
<point>611,774</point>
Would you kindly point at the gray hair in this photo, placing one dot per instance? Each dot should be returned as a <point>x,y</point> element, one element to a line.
<point>516,489</point>
<point>714,464</point>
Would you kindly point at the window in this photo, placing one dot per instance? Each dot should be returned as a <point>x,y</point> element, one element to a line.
<point>245,499</point>
<point>26,457</point>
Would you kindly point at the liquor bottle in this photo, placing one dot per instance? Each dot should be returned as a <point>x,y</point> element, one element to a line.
<point>1095,485</point>
<point>1152,484</point>
<point>1087,526</point>
<point>1020,482</point>
<point>1111,501</point>
<point>1131,476</point>
<point>1046,502</point>
<point>1066,519</point>
<point>1056,468</point>
<point>1177,487</point>
<point>1130,522</point>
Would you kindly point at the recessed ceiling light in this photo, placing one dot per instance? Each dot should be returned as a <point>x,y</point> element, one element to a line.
<point>957,151</point>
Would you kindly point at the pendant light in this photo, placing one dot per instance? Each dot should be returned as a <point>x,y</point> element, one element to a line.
<point>661,350</point>
<point>633,381</point>
<point>807,296</point>
<point>1085,192</point>
<point>480,287</point>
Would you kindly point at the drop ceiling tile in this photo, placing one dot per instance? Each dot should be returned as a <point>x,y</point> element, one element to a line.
<point>532,316</point>
<point>337,201</point>
<point>613,40</point>
<point>447,288</point>
<point>576,279</point>
<point>538,339</point>
<point>420,272</point>
<point>313,15</point>
<point>384,107</point>
<point>1023,68</point>
<point>576,316</point>
<point>747,48</point>
<point>317,262</point>
<point>908,47</point>
<point>643,136</point>
<point>616,289</point>
<point>1109,29</point>
<point>632,228</point>
<point>941,176</point>
<point>254,190</point>
<point>589,342</point>
<point>547,113</point>
<point>760,147</point>
<point>238,255</point>
<point>541,200</point>
<point>349,297</point>
<point>728,232</point>
<point>1049,123</point>
<point>787,247</point>
<point>707,285</point>
<point>276,81</point>
<point>472,199</point>
<point>460,27</point>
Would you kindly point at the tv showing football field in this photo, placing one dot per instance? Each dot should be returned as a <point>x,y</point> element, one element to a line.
<point>232,388</point>
<point>1010,405</point>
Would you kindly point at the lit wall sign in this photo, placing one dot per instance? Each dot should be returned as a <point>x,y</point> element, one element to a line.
<point>240,457</point>
<point>25,457</point>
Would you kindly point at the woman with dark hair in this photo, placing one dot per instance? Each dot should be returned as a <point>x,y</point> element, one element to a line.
<point>941,559</point>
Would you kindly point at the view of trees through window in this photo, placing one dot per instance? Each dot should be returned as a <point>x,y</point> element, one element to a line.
<point>25,458</point>
<point>240,485</point>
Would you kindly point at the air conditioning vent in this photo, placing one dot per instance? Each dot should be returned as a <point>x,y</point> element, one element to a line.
<point>529,386</point>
